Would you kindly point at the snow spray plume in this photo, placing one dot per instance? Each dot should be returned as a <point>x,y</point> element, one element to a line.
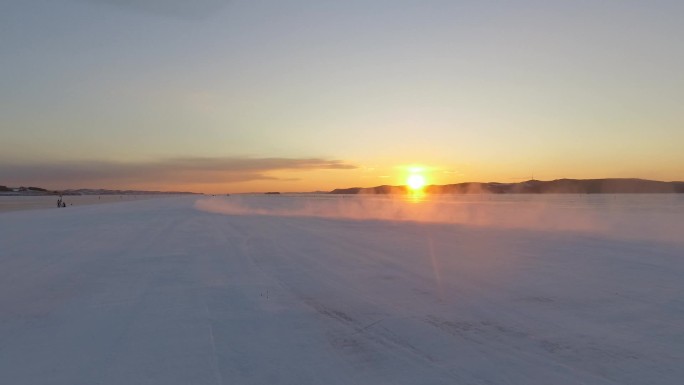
<point>654,217</point>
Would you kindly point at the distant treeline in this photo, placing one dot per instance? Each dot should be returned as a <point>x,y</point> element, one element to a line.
<point>559,186</point>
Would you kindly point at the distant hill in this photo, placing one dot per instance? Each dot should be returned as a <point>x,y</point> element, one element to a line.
<point>33,191</point>
<point>122,192</point>
<point>558,186</point>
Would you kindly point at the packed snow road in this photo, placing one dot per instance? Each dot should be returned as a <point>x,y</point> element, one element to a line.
<point>174,291</point>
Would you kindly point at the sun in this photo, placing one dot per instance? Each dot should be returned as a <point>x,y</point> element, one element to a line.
<point>416,182</point>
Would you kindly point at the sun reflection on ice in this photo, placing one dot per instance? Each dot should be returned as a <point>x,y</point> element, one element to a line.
<point>416,196</point>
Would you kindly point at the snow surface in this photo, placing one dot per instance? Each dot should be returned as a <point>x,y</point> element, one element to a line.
<point>345,290</point>
<point>30,202</point>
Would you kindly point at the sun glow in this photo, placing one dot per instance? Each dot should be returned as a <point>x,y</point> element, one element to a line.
<point>416,182</point>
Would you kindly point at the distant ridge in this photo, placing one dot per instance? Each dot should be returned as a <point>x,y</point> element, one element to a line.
<point>558,186</point>
<point>33,191</point>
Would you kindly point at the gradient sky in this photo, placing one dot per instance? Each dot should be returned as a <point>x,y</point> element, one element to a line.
<point>235,96</point>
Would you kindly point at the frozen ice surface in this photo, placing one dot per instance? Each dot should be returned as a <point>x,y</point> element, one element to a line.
<point>17,203</point>
<point>345,290</point>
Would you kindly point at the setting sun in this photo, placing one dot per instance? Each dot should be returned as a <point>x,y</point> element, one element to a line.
<point>415,182</point>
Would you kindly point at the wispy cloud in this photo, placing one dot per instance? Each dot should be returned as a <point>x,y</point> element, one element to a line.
<point>167,171</point>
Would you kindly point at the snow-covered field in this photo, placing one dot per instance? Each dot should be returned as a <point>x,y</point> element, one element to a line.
<point>17,203</point>
<point>345,290</point>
